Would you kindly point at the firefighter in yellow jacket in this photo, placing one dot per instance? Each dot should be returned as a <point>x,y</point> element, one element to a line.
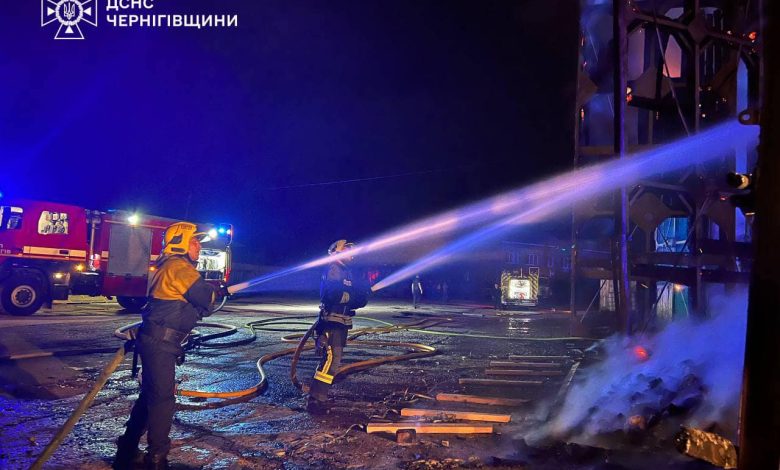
<point>179,297</point>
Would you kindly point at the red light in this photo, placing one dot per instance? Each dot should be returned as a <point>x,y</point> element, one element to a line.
<point>752,36</point>
<point>641,353</point>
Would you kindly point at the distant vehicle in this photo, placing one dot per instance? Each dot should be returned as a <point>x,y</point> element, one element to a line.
<point>519,290</point>
<point>50,250</point>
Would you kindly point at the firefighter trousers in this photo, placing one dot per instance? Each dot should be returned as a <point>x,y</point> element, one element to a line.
<point>153,411</point>
<point>334,338</point>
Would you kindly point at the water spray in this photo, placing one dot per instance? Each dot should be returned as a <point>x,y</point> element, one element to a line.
<point>560,193</point>
<point>533,203</point>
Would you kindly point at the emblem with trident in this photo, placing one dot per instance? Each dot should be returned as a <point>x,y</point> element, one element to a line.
<point>69,11</point>
<point>69,14</point>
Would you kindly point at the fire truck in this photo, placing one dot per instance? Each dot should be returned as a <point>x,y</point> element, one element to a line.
<point>50,250</point>
<point>519,289</point>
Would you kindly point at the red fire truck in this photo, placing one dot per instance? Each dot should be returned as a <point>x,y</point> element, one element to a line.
<point>50,250</point>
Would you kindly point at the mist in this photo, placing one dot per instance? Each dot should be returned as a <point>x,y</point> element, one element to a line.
<point>691,370</point>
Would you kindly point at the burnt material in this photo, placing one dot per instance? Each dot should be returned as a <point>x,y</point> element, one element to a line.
<point>706,446</point>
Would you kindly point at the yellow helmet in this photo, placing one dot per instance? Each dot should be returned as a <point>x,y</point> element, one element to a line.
<point>338,246</point>
<point>176,240</point>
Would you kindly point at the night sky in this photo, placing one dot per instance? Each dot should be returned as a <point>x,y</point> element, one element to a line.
<point>433,103</point>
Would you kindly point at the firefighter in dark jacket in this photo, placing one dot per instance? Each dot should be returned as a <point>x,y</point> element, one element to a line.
<point>340,296</point>
<point>179,297</point>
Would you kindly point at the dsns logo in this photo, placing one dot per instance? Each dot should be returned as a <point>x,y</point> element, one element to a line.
<point>69,13</point>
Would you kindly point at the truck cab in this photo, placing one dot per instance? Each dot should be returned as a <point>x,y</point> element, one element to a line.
<point>49,251</point>
<point>43,245</point>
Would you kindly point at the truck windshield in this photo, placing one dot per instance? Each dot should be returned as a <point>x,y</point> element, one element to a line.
<point>212,263</point>
<point>10,217</point>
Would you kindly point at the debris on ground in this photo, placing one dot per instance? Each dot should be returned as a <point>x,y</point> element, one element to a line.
<point>445,464</point>
<point>707,446</point>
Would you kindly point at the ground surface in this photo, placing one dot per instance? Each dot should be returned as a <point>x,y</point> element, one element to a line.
<point>271,430</point>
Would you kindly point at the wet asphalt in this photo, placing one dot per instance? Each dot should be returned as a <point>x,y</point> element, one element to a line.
<point>272,429</point>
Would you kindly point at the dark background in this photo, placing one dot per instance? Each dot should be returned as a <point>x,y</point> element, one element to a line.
<point>438,103</point>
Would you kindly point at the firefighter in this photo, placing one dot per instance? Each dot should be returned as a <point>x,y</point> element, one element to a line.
<point>179,297</point>
<point>340,296</point>
<point>417,290</point>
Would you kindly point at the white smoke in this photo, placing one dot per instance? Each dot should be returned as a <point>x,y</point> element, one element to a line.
<point>695,366</point>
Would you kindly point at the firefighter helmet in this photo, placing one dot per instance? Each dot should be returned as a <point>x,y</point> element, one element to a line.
<point>176,240</point>
<point>338,246</point>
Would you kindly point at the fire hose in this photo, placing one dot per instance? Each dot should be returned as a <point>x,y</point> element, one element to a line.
<point>302,338</point>
<point>116,360</point>
<point>127,333</point>
<point>198,340</point>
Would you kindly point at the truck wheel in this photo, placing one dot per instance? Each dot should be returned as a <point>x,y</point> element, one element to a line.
<point>22,296</point>
<point>132,304</point>
<point>219,304</point>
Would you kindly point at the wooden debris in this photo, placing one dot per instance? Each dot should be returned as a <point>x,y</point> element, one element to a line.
<point>431,428</point>
<point>476,399</point>
<point>561,395</point>
<point>524,372</point>
<point>499,382</point>
<point>405,436</point>
<point>567,382</point>
<point>464,415</point>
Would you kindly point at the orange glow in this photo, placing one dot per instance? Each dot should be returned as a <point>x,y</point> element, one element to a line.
<point>752,36</point>
<point>641,353</point>
<point>152,268</point>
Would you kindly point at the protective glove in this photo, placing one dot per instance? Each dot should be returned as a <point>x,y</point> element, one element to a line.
<point>360,295</point>
<point>223,291</point>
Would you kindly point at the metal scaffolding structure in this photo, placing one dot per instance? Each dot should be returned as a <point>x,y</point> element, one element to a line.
<point>651,72</point>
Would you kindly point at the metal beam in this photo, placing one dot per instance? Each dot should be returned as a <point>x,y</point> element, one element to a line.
<point>760,411</point>
<point>620,266</point>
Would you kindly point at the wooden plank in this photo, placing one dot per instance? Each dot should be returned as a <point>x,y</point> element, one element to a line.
<point>521,365</point>
<point>561,395</point>
<point>464,415</point>
<point>431,428</point>
<point>524,372</point>
<point>567,382</point>
<point>499,382</point>
<point>476,399</point>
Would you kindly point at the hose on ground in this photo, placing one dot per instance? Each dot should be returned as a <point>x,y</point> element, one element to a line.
<point>273,324</point>
<point>116,360</point>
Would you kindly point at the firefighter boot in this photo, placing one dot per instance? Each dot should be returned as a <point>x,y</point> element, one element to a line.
<point>156,462</point>
<point>317,407</point>
<point>127,454</point>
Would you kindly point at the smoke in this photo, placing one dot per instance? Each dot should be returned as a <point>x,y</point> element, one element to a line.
<point>693,370</point>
